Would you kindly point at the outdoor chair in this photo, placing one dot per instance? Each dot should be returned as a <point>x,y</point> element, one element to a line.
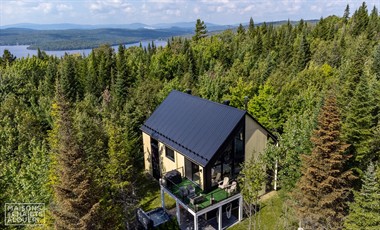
<point>183,191</point>
<point>191,190</point>
<point>232,188</point>
<point>223,184</point>
<point>216,179</point>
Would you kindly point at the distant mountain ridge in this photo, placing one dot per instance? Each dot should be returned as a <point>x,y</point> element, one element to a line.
<point>132,26</point>
<point>66,36</point>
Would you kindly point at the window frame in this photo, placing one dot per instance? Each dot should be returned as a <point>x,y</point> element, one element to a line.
<point>172,158</point>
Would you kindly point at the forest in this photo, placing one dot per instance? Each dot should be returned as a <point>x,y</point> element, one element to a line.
<point>83,39</point>
<point>69,127</point>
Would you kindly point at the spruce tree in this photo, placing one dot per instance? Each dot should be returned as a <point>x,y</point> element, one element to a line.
<point>121,173</point>
<point>346,14</point>
<point>365,210</point>
<point>240,29</point>
<point>373,28</point>
<point>122,81</point>
<point>67,78</point>
<point>358,126</point>
<point>360,20</point>
<point>376,62</point>
<point>251,28</point>
<point>324,187</point>
<point>76,205</point>
<point>303,54</point>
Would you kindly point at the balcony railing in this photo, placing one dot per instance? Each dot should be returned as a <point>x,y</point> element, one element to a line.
<point>193,196</point>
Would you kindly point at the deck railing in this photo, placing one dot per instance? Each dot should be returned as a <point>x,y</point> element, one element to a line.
<point>197,199</point>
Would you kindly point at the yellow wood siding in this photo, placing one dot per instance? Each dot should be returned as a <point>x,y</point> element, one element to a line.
<point>256,138</point>
<point>147,153</point>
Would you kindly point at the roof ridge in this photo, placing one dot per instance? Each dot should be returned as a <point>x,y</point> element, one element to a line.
<point>209,101</point>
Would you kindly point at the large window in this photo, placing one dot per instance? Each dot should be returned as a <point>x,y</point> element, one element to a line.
<point>230,161</point>
<point>169,153</point>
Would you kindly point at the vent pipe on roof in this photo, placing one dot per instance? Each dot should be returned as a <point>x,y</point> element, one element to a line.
<point>188,91</point>
<point>226,102</point>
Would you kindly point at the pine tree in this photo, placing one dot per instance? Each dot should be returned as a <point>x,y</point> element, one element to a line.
<point>200,30</point>
<point>76,204</point>
<point>365,210</point>
<point>324,187</point>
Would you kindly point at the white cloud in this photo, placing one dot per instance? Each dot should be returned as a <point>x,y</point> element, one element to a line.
<point>110,6</point>
<point>316,8</point>
<point>44,7</point>
<point>248,8</point>
<point>157,11</point>
<point>176,13</point>
<point>64,7</point>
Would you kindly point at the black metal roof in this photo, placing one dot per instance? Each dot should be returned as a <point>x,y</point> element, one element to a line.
<point>191,125</point>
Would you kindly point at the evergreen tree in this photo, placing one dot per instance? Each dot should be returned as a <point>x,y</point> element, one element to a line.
<point>7,58</point>
<point>303,54</point>
<point>373,28</point>
<point>200,30</point>
<point>240,29</point>
<point>251,28</point>
<point>365,210</point>
<point>360,20</point>
<point>76,204</point>
<point>121,175</point>
<point>376,62</point>
<point>68,79</point>
<point>357,128</point>
<point>122,79</point>
<point>324,187</point>
<point>346,14</point>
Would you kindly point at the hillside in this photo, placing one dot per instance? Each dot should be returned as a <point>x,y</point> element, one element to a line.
<point>82,39</point>
<point>316,86</point>
<point>75,36</point>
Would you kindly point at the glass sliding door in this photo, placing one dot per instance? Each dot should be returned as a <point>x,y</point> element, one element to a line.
<point>192,171</point>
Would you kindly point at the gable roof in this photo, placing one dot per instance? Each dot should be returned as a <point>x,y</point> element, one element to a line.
<point>191,125</point>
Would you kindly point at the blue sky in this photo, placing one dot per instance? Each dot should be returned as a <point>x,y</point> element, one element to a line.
<point>167,11</point>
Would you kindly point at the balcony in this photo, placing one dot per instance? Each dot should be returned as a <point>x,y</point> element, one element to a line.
<point>194,197</point>
<point>219,208</point>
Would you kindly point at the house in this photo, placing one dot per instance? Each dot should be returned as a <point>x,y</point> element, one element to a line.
<point>196,147</point>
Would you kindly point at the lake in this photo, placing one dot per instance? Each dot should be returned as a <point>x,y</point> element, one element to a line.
<point>22,51</point>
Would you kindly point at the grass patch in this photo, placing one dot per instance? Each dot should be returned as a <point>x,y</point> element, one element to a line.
<point>274,213</point>
<point>149,191</point>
